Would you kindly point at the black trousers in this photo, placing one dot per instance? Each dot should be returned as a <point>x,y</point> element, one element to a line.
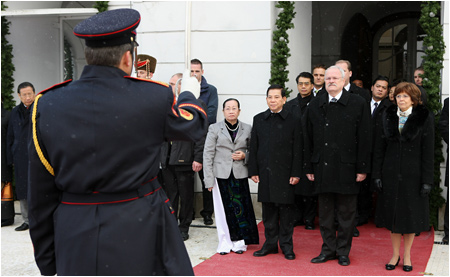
<point>364,202</point>
<point>345,205</point>
<point>179,187</point>
<point>305,208</point>
<point>278,226</point>
<point>208,205</point>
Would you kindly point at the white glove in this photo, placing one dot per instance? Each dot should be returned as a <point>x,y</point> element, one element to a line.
<point>190,84</point>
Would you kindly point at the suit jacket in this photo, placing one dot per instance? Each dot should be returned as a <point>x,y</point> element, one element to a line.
<point>377,117</point>
<point>217,161</point>
<point>276,154</point>
<point>338,142</point>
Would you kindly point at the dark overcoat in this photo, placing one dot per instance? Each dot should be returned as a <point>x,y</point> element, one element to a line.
<point>17,149</point>
<point>404,162</point>
<point>103,212</point>
<point>338,142</point>
<point>275,154</point>
<point>300,104</point>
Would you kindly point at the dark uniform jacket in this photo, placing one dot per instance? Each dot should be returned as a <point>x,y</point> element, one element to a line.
<point>17,149</point>
<point>404,162</point>
<point>102,135</point>
<point>275,154</point>
<point>338,142</point>
<point>300,104</point>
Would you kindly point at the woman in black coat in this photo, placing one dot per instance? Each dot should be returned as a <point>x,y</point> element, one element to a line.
<point>403,170</point>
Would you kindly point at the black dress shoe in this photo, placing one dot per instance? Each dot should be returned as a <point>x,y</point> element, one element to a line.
<point>356,232</point>
<point>309,225</point>
<point>343,260</point>
<point>185,235</point>
<point>223,253</point>
<point>417,234</point>
<point>391,266</point>
<point>207,220</point>
<point>289,256</point>
<point>407,268</point>
<point>239,252</point>
<point>322,258</point>
<point>22,227</point>
<point>263,252</point>
<point>445,239</point>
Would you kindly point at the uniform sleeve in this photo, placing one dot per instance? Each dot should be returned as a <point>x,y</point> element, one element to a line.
<point>209,152</point>
<point>186,119</point>
<point>427,162</point>
<point>43,199</point>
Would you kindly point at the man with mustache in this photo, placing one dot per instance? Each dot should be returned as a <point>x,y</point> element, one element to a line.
<point>337,154</point>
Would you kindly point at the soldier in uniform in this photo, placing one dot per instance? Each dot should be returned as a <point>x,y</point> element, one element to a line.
<point>96,207</point>
<point>145,66</point>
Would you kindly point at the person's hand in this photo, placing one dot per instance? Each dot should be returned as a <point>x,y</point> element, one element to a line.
<point>196,166</point>
<point>238,155</point>
<point>426,189</point>
<point>378,185</point>
<point>294,180</point>
<point>190,84</point>
<point>210,189</point>
<point>310,177</point>
<point>360,177</point>
<point>255,179</point>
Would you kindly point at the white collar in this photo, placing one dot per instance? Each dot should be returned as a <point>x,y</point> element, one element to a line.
<point>337,96</point>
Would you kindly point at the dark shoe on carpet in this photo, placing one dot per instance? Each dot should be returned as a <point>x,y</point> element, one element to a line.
<point>417,234</point>
<point>289,256</point>
<point>343,260</point>
<point>356,232</point>
<point>263,252</point>
<point>444,239</point>
<point>207,220</point>
<point>391,266</point>
<point>185,235</point>
<point>22,227</point>
<point>223,253</point>
<point>407,268</point>
<point>322,258</point>
<point>309,225</point>
<point>239,252</point>
<point>7,222</point>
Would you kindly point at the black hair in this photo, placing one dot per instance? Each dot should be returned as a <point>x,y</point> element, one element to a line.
<point>25,85</point>
<point>197,61</point>
<point>275,86</point>
<point>231,99</point>
<point>380,78</point>
<point>305,75</point>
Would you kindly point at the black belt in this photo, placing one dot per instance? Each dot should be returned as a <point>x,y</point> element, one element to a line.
<point>97,198</point>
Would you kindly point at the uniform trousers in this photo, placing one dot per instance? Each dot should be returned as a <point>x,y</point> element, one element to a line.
<point>346,205</point>
<point>179,186</point>
<point>278,220</point>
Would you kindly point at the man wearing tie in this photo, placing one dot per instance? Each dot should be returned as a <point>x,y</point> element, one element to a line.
<point>337,156</point>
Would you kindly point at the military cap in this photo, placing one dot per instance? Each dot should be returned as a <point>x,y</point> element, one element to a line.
<point>109,28</point>
<point>146,62</point>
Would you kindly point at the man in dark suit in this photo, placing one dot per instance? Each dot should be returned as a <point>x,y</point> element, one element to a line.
<point>351,87</point>
<point>275,163</point>
<point>96,206</point>
<point>378,103</point>
<point>17,149</point>
<point>337,153</point>
<point>305,199</point>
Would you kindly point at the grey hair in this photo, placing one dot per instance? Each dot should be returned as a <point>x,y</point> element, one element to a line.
<point>337,67</point>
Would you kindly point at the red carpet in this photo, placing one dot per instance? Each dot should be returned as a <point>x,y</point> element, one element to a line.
<point>370,252</point>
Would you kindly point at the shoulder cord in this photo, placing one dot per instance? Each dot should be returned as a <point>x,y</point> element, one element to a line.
<point>35,139</point>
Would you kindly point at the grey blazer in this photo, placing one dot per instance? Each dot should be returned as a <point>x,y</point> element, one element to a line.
<point>217,161</point>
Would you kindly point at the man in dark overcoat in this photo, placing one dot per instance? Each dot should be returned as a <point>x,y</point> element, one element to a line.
<point>17,148</point>
<point>96,207</point>
<point>275,163</point>
<point>337,154</point>
<point>305,199</point>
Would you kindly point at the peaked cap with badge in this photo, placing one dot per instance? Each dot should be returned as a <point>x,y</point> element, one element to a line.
<point>146,62</point>
<point>96,206</point>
